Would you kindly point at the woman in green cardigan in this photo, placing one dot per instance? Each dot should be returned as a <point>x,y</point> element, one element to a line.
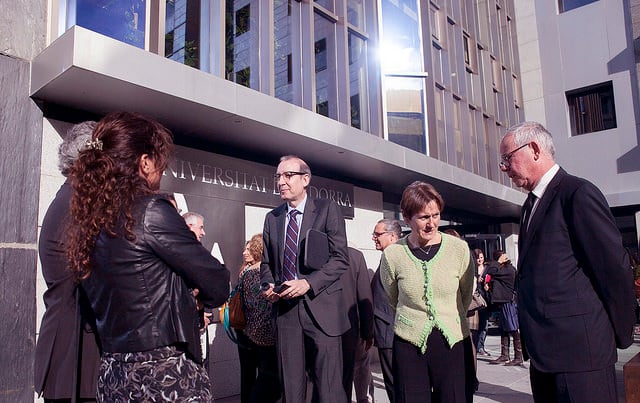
<point>428,278</point>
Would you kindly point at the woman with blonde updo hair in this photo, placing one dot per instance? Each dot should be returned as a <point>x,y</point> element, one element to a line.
<point>137,261</point>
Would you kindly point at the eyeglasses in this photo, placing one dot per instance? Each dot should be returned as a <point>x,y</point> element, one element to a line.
<point>505,160</point>
<point>288,175</point>
<point>379,234</point>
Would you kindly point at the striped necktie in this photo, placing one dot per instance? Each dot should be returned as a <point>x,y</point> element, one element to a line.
<point>291,247</point>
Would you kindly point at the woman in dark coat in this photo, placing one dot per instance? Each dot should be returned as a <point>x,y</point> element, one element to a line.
<point>502,289</point>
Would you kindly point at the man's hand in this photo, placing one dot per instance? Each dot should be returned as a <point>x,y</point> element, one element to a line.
<point>297,288</point>
<point>268,294</point>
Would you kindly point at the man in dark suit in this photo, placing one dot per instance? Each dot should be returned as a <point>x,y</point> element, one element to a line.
<point>357,341</point>
<point>68,320</point>
<point>575,296</point>
<point>310,312</point>
<point>385,233</point>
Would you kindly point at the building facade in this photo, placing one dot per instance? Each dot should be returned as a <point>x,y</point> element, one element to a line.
<point>373,94</point>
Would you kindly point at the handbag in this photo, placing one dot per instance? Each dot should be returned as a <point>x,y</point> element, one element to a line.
<point>237,320</point>
<point>477,301</point>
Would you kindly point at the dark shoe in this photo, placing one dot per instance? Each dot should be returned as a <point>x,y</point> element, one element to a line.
<point>514,363</point>
<point>500,360</point>
<point>476,385</point>
<point>483,353</point>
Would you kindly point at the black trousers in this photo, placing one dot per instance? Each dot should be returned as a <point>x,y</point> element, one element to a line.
<point>565,387</point>
<point>386,365</point>
<point>258,372</point>
<point>441,374</point>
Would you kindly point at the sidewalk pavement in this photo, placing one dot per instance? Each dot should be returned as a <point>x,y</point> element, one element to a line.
<point>497,382</point>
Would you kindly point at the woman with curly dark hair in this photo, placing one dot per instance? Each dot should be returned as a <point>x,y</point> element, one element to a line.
<point>137,261</point>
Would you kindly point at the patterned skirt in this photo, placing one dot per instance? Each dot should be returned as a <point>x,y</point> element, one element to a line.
<point>164,374</point>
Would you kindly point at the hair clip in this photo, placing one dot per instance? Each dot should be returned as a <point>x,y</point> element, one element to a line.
<point>94,144</point>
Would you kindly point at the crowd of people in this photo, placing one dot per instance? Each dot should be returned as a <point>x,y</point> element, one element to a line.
<point>132,287</point>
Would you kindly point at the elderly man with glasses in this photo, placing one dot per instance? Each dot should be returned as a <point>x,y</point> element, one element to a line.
<point>575,295</point>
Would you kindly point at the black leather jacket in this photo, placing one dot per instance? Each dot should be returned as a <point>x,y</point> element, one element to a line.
<point>140,290</point>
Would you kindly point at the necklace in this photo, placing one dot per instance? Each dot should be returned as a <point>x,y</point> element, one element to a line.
<point>428,251</point>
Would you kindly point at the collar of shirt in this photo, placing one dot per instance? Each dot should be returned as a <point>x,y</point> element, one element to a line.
<point>300,207</point>
<point>541,187</point>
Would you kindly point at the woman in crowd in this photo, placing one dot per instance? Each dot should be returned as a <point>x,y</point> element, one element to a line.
<point>480,335</point>
<point>501,286</point>
<point>428,277</point>
<point>137,261</point>
<point>256,343</point>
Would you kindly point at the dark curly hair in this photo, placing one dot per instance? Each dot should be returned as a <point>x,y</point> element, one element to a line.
<point>106,181</point>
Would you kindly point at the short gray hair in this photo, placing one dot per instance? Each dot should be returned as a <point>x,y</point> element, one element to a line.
<point>392,226</point>
<point>526,132</point>
<point>192,218</point>
<point>74,142</point>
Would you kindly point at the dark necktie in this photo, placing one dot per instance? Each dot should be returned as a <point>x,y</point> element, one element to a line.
<point>291,248</point>
<point>526,213</point>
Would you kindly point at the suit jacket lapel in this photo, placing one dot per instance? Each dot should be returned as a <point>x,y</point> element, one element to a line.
<point>540,212</point>
<point>280,214</point>
<point>307,221</point>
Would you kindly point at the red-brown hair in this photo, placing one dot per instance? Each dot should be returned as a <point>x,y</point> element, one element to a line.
<point>106,181</point>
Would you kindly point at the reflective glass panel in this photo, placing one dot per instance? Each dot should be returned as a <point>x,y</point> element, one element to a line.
<point>405,112</point>
<point>325,66</point>
<point>355,13</point>
<point>400,44</point>
<point>328,4</point>
<point>182,32</point>
<point>283,52</point>
<point>123,20</point>
<point>357,82</point>
<point>241,42</point>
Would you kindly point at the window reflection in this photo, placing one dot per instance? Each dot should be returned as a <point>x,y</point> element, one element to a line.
<point>283,56</point>
<point>182,32</point>
<point>405,112</point>
<point>123,20</point>
<point>357,82</point>
<point>355,13</point>
<point>241,63</point>
<point>325,66</point>
<point>400,43</point>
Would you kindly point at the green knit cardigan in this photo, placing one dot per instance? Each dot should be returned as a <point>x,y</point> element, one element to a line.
<point>429,294</point>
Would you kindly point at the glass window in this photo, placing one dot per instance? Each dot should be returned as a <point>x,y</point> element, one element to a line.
<point>328,4</point>
<point>123,20</point>
<point>325,66</point>
<point>241,43</point>
<point>182,32</point>
<point>401,49</point>
<point>282,48</point>
<point>592,109</point>
<point>355,13</point>
<point>405,112</point>
<point>358,82</point>
<point>566,5</point>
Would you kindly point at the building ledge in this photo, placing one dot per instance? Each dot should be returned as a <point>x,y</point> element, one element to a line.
<point>90,72</point>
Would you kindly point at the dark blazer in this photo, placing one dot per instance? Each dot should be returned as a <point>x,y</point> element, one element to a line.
<point>575,289</point>
<point>55,359</point>
<point>325,299</point>
<point>384,314</point>
<point>358,295</point>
